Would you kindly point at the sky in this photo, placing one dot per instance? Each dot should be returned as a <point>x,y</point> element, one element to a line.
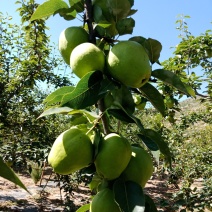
<point>154,19</point>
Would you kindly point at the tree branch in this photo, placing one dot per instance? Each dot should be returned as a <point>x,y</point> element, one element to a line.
<point>88,18</point>
<point>201,95</point>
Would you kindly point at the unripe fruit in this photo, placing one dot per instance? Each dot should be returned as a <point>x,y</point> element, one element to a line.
<point>140,167</point>
<point>113,156</point>
<point>86,57</point>
<point>104,201</point>
<point>128,63</point>
<point>69,39</point>
<point>71,151</point>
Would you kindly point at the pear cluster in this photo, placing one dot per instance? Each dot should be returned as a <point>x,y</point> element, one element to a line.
<point>126,62</point>
<point>115,158</point>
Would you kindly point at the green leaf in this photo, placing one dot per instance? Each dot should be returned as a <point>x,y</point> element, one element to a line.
<point>131,2</point>
<point>91,116</point>
<point>78,119</point>
<point>132,12</point>
<point>106,85</point>
<point>98,15</point>
<point>67,13</point>
<point>190,90</point>
<point>57,96</point>
<point>77,5</point>
<point>97,141</point>
<point>163,146</point>
<point>87,92</point>
<point>154,96</point>
<point>149,204</point>
<point>148,142</point>
<point>120,113</point>
<point>120,8</point>
<point>84,208</point>
<point>124,97</point>
<point>154,48</point>
<point>48,8</point>
<point>125,26</point>
<point>129,195</point>
<point>96,180</point>
<point>172,79</point>
<point>7,173</point>
<point>138,39</point>
<point>103,24</point>
<point>56,110</point>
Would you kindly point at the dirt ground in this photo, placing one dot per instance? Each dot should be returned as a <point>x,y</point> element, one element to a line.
<point>46,195</point>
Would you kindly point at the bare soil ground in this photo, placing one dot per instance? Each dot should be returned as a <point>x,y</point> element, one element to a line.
<point>46,196</point>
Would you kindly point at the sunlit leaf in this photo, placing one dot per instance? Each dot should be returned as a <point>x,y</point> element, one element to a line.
<point>91,116</point>
<point>190,90</point>
<point>96,180</point>
<point>129,196</point>
<point>84,208</point>
<point>87,92</point>
<point>57,96</point>
<point>77,5</point>
<point>67,13</point>
<point>172,79</point>
<point>56,110</point>
<point>154,96</point>
<point>48,8</point>
<point>103,24</point>
<point>7,173</point>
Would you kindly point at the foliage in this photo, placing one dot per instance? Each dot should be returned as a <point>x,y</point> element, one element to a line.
<point>7,173</point>
<point>27,65</point>
<point>195,153</point>
<point>85,103</point>
<point>191,53</point>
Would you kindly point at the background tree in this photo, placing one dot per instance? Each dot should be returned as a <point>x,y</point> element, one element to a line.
<point>27,73</point>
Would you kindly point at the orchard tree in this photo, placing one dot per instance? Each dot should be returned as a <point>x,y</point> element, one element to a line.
<point>116,78</point>
<point>26,65</point>
<point>191,54</point>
